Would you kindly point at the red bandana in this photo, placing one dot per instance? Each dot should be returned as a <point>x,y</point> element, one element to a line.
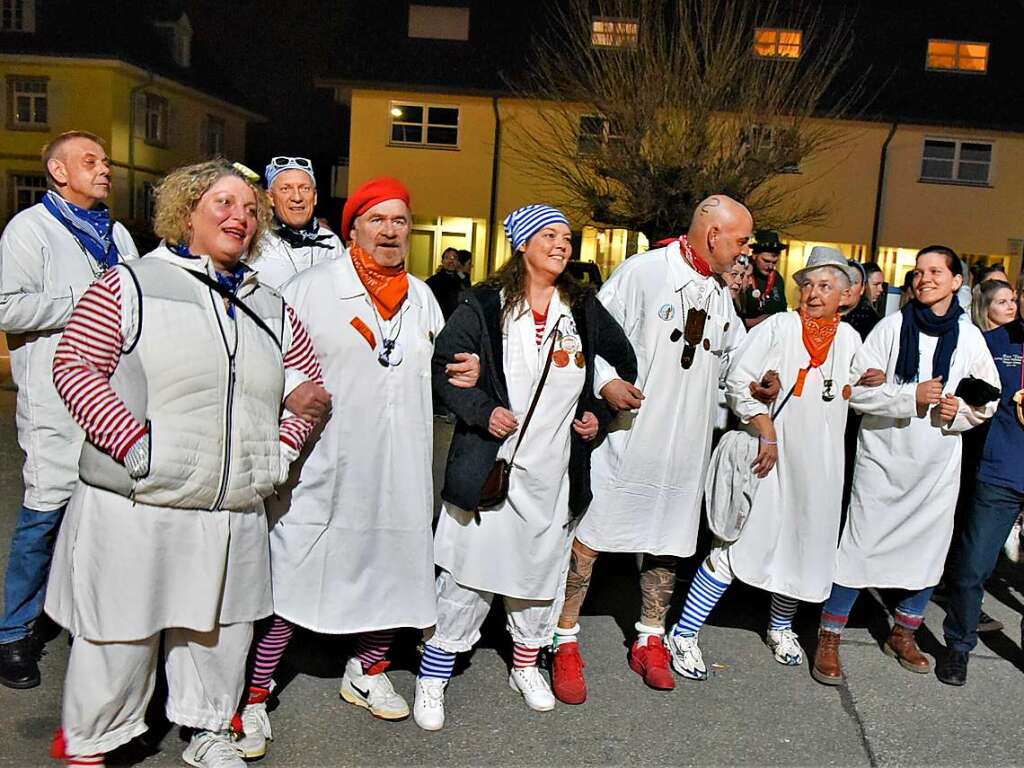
<point>387,286</point>
<point>818,337</point>
<point>702,267</point>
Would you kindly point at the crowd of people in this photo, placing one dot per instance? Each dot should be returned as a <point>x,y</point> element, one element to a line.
<point>232,436</point>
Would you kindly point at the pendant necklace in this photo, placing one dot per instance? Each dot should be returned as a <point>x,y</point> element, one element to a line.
<point>828,390</point>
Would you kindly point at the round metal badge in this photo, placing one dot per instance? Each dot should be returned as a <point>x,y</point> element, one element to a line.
<point>667,312</point>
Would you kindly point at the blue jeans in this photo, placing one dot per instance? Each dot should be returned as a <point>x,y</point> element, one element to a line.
<point>27,570</point>
<point>975,554</point>
<point>841,601</point>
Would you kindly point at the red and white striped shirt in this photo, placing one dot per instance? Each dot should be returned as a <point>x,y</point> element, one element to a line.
<point>539,321</point>
<point>90,349</point>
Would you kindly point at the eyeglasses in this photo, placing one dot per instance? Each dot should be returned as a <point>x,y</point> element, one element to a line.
<point>281,161</point>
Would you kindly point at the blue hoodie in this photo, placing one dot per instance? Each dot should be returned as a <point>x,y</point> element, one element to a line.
<point>1001,462</point>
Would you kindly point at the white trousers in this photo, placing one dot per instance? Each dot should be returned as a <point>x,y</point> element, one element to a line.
<point>461,612</point>
<point>719,563</point>
<point>108,685</point>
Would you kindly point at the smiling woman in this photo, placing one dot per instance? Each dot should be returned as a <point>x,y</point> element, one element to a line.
<point>165,534</point>
<point>518,471</point>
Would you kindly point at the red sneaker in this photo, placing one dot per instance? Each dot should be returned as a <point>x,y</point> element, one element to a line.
<point>567,679</point>
<point>651,662</point>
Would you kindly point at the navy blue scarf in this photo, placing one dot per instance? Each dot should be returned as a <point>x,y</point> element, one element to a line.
<point>299,237</point>
<point>918,319</point>
<point>231,280</point>
<point>92,227</point>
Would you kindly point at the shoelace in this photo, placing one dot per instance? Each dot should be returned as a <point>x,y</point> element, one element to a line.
<point>573,662</point>
<point>659,653</point>
<point>435,695</point>
<point>218,748</point>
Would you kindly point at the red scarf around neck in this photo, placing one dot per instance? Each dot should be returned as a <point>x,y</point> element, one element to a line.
<point>702,267</point>
<point>387,286</point>
<point>818,336</point>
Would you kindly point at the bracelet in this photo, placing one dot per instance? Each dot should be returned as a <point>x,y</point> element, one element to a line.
<point>766,441</point>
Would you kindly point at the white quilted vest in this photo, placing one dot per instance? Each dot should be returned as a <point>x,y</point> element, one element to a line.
<point>210,394</point>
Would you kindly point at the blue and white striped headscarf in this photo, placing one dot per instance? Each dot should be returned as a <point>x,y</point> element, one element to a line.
<point>523,223</point>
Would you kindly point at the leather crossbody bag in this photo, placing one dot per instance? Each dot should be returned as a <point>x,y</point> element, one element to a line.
<point>495,488</point>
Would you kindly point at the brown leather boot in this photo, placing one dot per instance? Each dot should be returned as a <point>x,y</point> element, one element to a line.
<point>902,646</point>
<point>827,669</point>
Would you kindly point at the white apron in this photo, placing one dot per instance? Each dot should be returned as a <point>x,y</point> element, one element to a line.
<point>351,548</point>
<point>123,571</point>
<point>517,549</point>
<point>648,473</point>
<point>907,474</point>
<point>788,543</point>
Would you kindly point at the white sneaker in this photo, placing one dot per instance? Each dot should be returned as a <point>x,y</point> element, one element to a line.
<point>786,647</point>
<point>535,689</point>
<point>428,707</point>
<point>212,750</point>
<point>687,659</point>
<point>256,732</point>
<point>372,691</point>
<point>1012,546</point>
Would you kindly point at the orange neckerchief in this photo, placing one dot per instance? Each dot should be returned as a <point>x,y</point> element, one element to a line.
<point>387,286</point>
<point>818,337</point>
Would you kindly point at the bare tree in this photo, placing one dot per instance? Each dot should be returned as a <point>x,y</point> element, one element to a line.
<point>635,135</point>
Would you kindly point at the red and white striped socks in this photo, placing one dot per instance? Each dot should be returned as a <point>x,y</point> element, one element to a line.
<point>523,657</point>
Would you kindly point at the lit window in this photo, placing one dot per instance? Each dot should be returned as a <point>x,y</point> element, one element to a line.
<point>614,33</point>
<point>778,43</point>
<point>28,189</point>
<point>596,134</point>
<point>424,125</point>
<point>953,160</point>
<point>213,136</point>
<point>156,119</point>
<point>957,56</point>
<point>17,16</point>
<point>434,22</point>
<point>28,103</point>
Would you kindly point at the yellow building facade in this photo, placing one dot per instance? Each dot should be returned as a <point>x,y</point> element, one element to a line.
<point>151,124</point>
<point>462,189</point>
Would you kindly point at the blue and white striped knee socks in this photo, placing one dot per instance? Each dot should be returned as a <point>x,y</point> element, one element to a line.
<point>783,611</point>
<point>705,592</point>
<point>437,663</point>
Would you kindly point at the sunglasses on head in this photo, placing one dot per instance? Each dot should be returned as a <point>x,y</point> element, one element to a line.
<point>281,161</point>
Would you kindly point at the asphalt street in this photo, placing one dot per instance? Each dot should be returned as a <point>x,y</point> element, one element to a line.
<point>751,712</point>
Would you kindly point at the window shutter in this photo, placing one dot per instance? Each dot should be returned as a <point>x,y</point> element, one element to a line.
<point>172,125</point>
<point>139,128</point>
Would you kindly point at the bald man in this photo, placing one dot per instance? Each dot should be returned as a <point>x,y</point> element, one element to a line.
<point>648,474</point>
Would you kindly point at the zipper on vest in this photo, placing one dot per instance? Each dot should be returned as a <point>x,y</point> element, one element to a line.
<point>226,471</point>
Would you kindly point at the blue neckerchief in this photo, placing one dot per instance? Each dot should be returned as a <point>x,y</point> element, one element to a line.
<point>93,228</point>
<point>231,280</point>
<point>918,319</point>
<point>299,237</point>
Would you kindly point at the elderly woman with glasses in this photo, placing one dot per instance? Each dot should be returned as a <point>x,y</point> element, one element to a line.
<point>533,412</point>
<point>296,240</point>
<point>787,546</point>
<point>175,367</point>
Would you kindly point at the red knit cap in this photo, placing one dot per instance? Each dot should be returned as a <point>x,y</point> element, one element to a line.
<point>370,194</point>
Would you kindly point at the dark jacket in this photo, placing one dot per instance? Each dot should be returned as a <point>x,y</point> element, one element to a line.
<point>446,287</point>
<point>475,326</point>
<point>863,318</point>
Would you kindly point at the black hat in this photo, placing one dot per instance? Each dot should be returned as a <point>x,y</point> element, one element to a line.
<point>767,240</point>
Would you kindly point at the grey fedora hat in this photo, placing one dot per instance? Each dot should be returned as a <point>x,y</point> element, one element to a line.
<point>823,256</point>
